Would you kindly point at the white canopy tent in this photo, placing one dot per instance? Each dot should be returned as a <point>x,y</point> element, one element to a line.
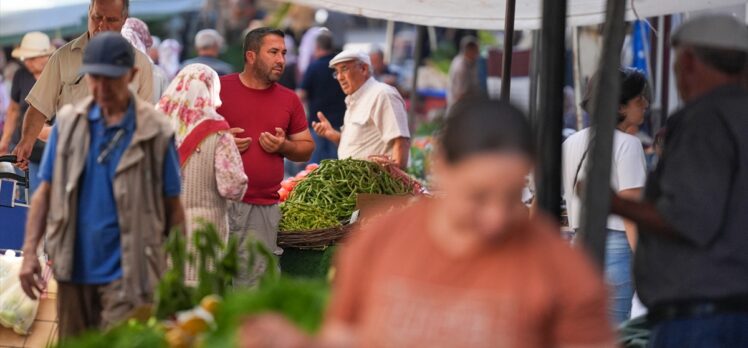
<point>18,17</point>
<point>489,14</point>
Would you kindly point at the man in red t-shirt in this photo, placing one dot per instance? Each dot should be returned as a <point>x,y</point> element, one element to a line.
<point>269,124</point>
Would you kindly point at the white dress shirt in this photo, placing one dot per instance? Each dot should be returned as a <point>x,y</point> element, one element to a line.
<point>374,118</point>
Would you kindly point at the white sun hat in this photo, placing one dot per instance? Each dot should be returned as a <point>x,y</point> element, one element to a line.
<point>34,44</point>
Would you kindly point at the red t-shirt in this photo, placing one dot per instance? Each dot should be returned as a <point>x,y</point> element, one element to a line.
<point>258,111</point>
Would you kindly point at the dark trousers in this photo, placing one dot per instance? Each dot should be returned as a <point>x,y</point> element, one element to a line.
<point>323,149</point>
<point>729,330</point>
<point>82,307</point>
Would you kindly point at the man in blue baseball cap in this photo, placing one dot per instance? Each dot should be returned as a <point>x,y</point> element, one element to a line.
<point>109,195</point>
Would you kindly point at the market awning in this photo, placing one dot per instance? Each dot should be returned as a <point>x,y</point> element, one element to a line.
<point>489,14</point>
<point>19,17</point>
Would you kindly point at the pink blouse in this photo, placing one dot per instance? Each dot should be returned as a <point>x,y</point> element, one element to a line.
<point>230,176</point>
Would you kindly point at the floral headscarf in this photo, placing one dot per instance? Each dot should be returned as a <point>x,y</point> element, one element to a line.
<point>140,29</point>
<point>133,39</point>
<point>190,102</point>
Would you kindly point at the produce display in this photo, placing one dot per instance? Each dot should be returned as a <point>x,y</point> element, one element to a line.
<point>186,317</point>
<point>298,216</point>
<point>326,197</point>
<point>289,184</point>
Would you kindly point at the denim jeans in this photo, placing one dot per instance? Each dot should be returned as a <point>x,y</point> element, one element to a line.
<point>618,276</point>
<point>713,331</point>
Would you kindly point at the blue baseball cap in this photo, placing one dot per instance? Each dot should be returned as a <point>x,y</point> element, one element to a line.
<point>108,54</point>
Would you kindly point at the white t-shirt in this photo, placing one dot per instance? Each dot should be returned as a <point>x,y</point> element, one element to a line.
<point>628,171</point>
<point>375,116</point>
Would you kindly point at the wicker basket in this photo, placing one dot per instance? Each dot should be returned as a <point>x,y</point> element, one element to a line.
<point>313,239</point>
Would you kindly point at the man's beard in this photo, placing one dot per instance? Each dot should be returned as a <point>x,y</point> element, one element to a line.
<point>265,72</point>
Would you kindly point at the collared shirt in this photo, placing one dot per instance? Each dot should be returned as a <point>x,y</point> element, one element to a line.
<point>700,187</point>
<point>375,117</point>
<point>97,253</point>
<point>61,83</point>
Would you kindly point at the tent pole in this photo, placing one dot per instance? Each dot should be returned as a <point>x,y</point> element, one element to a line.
<point>577,67</point>
<point>665,89</point>
<point>550,122</point>
<point>420,35</point>
<point>534,77</point>
<point>596,195</point>
<point>389,41</point>
<point>506,74</point>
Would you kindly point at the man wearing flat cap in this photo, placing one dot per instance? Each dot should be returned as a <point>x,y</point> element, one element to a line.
<point>691,263</point>
<point>109,195</point>
<point>375,121</point>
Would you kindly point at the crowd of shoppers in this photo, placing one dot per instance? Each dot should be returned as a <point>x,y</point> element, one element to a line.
<point>127,143</point>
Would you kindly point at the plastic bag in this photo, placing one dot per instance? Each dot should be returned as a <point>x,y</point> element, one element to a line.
<point>17,311</point>
<point>10,266</point>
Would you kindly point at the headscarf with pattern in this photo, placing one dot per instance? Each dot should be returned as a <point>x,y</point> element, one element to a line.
<point>140,29</point>
<point>190,102</point>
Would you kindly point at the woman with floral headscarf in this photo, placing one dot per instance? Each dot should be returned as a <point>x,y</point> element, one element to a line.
<point>212,170</point>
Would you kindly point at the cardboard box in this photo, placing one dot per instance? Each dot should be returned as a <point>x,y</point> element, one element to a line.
<point>373,205</point>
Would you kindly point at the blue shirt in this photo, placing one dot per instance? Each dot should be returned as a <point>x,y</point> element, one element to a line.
<point>323,92</point>
<point>97,243</point>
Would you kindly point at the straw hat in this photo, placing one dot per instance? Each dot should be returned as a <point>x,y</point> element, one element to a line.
<point>34,44</point>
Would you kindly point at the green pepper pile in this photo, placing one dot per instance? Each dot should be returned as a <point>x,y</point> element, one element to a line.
<point>299,216</point>
<point>331,192</point>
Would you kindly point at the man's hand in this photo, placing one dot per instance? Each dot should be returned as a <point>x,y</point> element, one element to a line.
<point>323,128</point>
<point>22,152</point>
<point>31,275</point>
<point>273,143</point>
<point>241,143</point>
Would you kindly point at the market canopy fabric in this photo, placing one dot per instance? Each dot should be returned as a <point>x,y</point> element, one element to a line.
<point>489,14</point>
<point>18,16</point>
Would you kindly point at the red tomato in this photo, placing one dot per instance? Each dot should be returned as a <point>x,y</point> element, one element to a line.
<point>311,167</point>
<point>288,184</point>
<point>292,184</point>
<point>283,194</point>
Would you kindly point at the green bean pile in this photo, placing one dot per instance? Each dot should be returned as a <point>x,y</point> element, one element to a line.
<point>333,188</point>
<point>299,216</point>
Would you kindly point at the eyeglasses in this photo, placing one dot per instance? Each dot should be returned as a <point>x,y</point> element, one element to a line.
<point>343,70</point>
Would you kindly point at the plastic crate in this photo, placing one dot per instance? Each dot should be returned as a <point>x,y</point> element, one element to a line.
<point>14,204</point>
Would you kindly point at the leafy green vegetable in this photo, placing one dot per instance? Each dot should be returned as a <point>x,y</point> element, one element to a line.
<point>171,294</point>
<point>131,334</point>
<point>302,301</point>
